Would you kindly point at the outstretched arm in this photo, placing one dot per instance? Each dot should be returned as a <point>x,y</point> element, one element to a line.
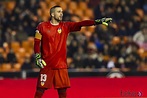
<point>76,26</point>
<point>103,21</point>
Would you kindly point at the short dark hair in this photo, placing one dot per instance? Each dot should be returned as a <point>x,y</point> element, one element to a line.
<point>53,9</point>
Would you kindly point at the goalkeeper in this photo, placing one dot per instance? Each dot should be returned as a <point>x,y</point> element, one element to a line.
<point>51,56</point>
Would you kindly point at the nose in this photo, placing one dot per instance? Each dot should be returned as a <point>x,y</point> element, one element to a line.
<point>61,14</point>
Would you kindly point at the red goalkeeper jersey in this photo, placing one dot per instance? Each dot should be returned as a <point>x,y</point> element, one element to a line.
<point>53,41</point>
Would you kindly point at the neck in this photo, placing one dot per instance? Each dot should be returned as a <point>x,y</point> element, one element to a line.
<point>54,22</point>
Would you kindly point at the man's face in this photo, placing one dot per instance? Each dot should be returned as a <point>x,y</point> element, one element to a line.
<point>58,14</point>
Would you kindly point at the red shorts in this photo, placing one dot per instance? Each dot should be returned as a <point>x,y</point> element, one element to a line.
<point>54,77</point>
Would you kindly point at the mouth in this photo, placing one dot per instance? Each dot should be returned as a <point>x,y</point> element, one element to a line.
<point>61,16</point>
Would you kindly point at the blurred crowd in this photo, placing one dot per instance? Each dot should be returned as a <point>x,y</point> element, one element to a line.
<point>120,46</point>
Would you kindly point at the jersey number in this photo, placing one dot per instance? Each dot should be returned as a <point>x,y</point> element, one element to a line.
<point>43,77</point>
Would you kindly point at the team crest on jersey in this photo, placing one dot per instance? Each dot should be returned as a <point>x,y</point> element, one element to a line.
<point>59,30</point>
<point>42,83</point>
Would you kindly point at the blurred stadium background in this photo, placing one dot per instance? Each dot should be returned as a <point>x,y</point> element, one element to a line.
<point>116,51</point>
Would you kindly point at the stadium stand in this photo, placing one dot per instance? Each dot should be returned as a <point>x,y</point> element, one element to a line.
<point>114,44</point>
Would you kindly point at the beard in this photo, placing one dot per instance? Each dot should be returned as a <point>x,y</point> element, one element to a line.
<point>58,18</point>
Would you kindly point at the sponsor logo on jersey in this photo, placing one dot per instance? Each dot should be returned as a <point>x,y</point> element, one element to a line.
<point>59,30</point>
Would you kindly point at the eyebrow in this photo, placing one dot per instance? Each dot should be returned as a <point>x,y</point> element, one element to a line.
<point>60,11</point>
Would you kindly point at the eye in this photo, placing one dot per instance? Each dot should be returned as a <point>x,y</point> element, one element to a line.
<point>60,11</point>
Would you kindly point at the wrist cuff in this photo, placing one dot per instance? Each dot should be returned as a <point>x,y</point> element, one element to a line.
<point>98,21</point>
<point>38,56</point>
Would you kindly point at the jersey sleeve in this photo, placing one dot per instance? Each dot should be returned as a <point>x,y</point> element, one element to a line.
<point>76,26</point>
<point>37,39</point>
<point>38,32</point>
<point>39,28</point>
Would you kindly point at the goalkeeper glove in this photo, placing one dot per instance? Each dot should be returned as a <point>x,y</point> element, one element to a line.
<point>103,21</point>
<point>39,62</point>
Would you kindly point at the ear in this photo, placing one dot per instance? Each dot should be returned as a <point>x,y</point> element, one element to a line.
<point>52,14</point>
